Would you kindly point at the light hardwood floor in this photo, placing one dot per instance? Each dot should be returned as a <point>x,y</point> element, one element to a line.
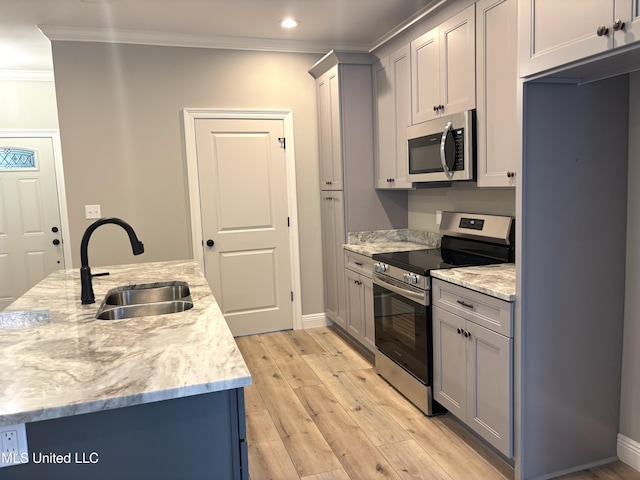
<point>317,411</point>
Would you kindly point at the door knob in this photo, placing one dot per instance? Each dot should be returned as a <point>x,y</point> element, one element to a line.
<point>618,25</point>
<point>56,242</point>
<point>602,30</point>
<point>210,243</point>
<point>54,229</point>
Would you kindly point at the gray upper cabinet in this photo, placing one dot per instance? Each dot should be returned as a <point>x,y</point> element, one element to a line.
<point>443,68</point>
<point>554,33</point>
<point>498,138</point>
<point>392,116</point>
<point>350,203</point>
<point>329,130</point>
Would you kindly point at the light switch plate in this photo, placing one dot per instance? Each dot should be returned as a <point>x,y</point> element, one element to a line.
<point>92,211</point>
<point>438,217</point>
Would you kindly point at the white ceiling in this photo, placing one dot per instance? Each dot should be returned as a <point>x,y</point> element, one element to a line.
<point>247,24</point>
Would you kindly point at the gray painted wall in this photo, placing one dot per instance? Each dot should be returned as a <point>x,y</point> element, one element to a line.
<point>122,140</point>
<point>460,197</point>
<point>572,266</point>
<point>629,411</point>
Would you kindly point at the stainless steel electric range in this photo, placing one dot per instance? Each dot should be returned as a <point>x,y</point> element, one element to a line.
<point>402,298</point>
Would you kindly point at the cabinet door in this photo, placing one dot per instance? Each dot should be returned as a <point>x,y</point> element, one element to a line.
<point>328,86</point>
<point>489,397</point>
<point>392,113</point>
<point>498,138</point>
<point>369,337</point>
<point>629,12</point>
<point>425,77</point>
<point>449,362</point>
<point>355,318</point>
<point>457,62</point>
<point>554,33</point>
<point>384,127</point>
<point>332,241</point>
<point>400,66</point>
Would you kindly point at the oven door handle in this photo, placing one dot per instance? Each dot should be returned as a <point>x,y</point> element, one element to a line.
<point>420,297</point>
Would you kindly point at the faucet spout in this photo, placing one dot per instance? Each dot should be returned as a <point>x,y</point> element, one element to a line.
<point>87,295</point>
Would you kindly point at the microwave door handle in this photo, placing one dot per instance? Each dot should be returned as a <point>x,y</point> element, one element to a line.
<point>443,157</point>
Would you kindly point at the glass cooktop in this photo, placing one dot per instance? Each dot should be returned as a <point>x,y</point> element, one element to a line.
<point>416,261</point>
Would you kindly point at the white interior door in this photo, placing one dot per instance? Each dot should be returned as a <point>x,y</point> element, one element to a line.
<point>243,202</point>
<point>30,228</point>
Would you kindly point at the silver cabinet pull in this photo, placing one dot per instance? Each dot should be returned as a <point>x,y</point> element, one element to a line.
<point>465,304</point>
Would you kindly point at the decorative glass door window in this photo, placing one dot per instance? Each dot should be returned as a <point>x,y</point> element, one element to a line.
<point>17,159</point>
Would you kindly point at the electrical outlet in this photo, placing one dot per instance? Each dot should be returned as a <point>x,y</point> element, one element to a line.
<point>438,217</point>
<point>92,211</point>
<point>13,445</point>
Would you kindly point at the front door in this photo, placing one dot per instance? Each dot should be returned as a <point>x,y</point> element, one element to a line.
<point>30,235</point>
<point>243,201</point>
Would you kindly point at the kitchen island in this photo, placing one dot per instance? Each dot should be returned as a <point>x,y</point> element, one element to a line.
<point>149,397</point>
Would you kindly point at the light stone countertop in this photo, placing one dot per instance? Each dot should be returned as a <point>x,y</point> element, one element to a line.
<point>76,364</point>
<point>370,249</point>
<point>496,280</point>
<point>386,241</point>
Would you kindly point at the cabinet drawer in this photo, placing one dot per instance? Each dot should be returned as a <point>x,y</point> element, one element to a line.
<point>487,311</point>
<point>358,263</point>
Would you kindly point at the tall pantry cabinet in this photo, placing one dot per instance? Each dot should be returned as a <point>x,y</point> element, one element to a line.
<point>350,202</point>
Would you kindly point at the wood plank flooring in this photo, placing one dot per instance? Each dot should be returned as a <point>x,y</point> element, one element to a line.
<point>318,411</point>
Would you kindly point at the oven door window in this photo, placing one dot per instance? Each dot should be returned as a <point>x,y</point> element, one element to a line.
<point>401,329</point>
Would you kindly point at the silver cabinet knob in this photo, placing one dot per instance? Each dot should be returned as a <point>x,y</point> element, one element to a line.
<point>618,25</point>
<point>511,174</point>
<point>602,30</point>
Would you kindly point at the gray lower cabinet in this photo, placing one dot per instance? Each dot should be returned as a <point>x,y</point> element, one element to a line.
<point>333,235</point>
<point>359,293</point>
<point>197,437</point>
<point>473,361</point>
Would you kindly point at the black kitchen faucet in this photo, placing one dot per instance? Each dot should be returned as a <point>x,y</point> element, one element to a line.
<point>87,295</point>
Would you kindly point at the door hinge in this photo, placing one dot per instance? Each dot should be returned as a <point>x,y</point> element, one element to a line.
<point>283,142</point>
<point>292,296</point>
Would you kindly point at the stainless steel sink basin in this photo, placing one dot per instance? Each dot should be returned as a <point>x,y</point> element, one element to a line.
<point>145,300</point>
<point>148,293</point>
<point>144,310</point>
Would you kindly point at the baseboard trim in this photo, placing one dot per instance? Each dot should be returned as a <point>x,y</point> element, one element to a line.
<point>575,469</point>
<point>629,451</point>
<point>315,320</point>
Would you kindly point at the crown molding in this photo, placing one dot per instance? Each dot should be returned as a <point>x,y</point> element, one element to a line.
<point>428,10</point>
<point>76,34</point>
<point>27,75</point>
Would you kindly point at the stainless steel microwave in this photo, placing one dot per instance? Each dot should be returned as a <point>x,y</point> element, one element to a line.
<point>443,149</point>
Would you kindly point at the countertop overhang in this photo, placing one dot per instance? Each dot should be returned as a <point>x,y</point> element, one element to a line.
<point>77,364</point>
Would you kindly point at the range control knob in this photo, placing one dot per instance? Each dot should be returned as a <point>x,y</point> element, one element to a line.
<point>410,278</point>
<point>381,267</point>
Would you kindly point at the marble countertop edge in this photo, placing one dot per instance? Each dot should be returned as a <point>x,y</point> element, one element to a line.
<point>93,406</point>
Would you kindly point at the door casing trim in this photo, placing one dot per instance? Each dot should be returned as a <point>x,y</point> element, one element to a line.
<point>189,116</point>
<point>54,136</point>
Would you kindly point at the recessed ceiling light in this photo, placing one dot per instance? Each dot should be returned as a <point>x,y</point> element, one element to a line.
<point>289,23</point>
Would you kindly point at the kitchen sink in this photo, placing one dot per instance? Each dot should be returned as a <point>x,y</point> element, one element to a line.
<point>148,293</point>
<point>143,310</point>
<point>145,300</point>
